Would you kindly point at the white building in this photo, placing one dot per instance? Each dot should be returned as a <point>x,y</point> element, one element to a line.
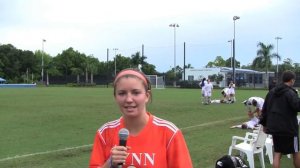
<point>244,77</point>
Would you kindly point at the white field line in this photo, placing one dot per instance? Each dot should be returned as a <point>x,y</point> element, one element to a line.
<point>46,152</point>
<point>89,145</point>
<point>212,123</point>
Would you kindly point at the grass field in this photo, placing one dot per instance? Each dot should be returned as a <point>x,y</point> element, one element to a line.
<point>54,127</point>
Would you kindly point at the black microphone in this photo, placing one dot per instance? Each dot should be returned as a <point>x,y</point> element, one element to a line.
<point>123,135</point>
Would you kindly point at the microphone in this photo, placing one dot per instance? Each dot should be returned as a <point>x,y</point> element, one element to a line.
<point>123,135</point>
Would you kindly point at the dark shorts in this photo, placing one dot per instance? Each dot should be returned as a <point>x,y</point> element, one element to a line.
<point>286,144</point>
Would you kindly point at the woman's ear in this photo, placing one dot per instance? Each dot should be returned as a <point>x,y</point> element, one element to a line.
<point>148,94</point>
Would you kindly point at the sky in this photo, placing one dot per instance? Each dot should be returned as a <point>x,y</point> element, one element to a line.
<point>205,26</point>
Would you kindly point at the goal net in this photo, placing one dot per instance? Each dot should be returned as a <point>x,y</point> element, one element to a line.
<point>156,81</point>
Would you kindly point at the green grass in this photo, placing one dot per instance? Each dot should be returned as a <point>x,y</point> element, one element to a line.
<point>44,119</point>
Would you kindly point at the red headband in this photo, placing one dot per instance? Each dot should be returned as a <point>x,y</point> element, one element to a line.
<point>130,72</point>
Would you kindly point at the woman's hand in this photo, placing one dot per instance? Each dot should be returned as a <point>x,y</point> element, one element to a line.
<point>118,155</point>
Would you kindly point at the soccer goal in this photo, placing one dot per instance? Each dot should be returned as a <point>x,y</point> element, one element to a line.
<point>156,81</point>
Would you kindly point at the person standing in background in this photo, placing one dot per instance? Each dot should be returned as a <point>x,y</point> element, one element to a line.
<point>272,84</point>
<point>231,92</point>
<point>208,92</point>
<point>202,85</point>
<point>279,118</point>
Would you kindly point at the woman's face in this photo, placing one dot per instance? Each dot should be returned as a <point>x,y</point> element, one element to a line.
<point>131,96</point>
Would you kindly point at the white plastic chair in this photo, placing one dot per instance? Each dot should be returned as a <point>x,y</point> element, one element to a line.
<point>269,148</point>
<point>251,144</point>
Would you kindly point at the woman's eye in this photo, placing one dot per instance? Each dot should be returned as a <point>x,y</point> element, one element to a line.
<point>121,93</point>
<point>136,93</point>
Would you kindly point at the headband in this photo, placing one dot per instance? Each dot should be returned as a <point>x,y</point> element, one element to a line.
<point>131,72</point>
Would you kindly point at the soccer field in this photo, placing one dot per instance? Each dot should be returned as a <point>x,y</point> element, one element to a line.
<point>54,127</point>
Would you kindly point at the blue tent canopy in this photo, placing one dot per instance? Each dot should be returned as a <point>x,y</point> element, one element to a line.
<point>2,80</point>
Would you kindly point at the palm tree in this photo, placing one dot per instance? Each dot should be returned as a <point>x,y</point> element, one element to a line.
<point>92,66</point>
<point>188,66</point>
<point>263,58</point>
<point>138,59</point>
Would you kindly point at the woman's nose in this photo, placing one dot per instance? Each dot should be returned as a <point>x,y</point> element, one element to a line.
<point>129,97</point>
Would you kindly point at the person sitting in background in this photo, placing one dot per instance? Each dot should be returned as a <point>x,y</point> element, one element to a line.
<point>226,96</point>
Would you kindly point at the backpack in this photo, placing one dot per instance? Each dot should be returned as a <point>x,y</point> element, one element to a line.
<point>228,161</point>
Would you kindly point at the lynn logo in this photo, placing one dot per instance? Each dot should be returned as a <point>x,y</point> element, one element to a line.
<point>143,159</point>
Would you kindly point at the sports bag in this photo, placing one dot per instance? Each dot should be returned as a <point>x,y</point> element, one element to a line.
<point>228,161</point>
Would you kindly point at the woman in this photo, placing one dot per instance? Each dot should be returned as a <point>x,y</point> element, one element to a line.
<point>207,92</point>
<point>152,142</point>
<point>232,91</point>
<point>202,86</point>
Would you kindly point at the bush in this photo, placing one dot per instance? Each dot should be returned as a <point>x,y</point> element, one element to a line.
<point>81,84</point>
<point>189,84</point>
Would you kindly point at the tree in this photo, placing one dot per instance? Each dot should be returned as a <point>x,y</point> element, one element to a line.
<point>2,68</point>
<point>263,58</point>
<point>71,62</point>
<point>39,55</point>
<point>15,64</point>
<point>287,65</point>
<point>149,69</point>
<point>123,63</point>
<point>229,64</point>
<point>51,70</point>
<point>64,62</point>
<point>137,59</point>
<point>92,66</point>
<point>10,62</point>
<point>297,67</point>
<point>210,64</point>
<point>170,75</point>
<point>79,62</point>
<point>216,78</point>
<point>220,62</point>
<point>188,66</point>
<point>28,64</point>
<point>179,72</point>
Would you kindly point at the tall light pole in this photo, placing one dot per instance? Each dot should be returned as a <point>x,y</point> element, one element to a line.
<point>115,49</point>
<point>277,38</point>
<point>233,55</point>
<point>43,41</point>
<point>174,25</point>
<point>230,41</point>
